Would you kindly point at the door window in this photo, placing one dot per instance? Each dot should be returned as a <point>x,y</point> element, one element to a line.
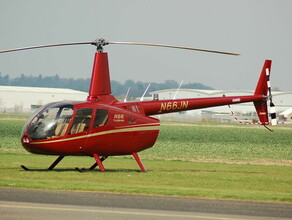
<point>81,121</point>
<point>101,118</point>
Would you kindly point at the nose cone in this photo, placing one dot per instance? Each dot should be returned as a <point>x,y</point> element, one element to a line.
<point>25,141</point>
<point>37,147</point>
<point>27,145</point>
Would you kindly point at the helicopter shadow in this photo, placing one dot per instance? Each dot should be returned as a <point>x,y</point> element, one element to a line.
<point>82,170</point>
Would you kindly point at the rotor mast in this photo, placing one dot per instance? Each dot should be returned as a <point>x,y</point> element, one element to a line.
<point>100,81</point>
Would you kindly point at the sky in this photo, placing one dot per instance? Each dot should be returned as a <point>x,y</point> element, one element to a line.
<point>257,29</point>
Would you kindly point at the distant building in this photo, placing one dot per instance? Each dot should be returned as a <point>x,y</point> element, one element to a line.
<point>245,111</point>
<point>286,115</point>
<point>16,99</point>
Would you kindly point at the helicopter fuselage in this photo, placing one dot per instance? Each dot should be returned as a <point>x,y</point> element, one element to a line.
<point>85,128</point>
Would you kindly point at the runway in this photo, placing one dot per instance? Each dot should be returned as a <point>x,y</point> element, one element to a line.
<point>36,204</point>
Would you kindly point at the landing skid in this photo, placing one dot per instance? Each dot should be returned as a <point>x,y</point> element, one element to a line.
<point>98,163</point>
<point>55,163</point>
<point>46,170</point>
<point>58,170</point>
<point>27,169</point>
<point>58,160</point>
<point>82,170</point>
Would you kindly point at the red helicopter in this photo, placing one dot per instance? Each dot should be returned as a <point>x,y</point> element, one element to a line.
<point>102,126</point>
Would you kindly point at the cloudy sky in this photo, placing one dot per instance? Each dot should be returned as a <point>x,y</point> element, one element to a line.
<point>257,29</point>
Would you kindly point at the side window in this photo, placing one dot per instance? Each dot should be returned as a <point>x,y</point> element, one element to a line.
<point>101,118</point>
<point>63,121</point>
<point>81,121</point>
<point>133,108</point>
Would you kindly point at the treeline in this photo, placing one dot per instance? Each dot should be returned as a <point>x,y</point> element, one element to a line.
<point>118,89</point>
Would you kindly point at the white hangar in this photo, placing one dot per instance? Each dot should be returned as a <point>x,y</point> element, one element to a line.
<point>16,99</point>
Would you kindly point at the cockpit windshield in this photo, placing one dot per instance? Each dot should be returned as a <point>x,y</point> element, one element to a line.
<point>51,122</point>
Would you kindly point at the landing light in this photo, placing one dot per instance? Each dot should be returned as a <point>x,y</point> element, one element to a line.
<point>25,140</point>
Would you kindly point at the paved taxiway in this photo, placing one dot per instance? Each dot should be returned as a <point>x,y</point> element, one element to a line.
<point>39,204</point>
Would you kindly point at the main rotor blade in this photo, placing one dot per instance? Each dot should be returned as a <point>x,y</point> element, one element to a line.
<point>43,46</point>
<point>171,46</point>
<point>101,42</point>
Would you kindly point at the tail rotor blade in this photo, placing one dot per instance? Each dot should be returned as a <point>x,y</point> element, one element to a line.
<point>273,114</point>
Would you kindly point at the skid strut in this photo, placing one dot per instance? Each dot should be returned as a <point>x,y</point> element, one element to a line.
<point>56,162</point>
<point>95,164</point>
<point>98,162</point>
<point>138,160</point>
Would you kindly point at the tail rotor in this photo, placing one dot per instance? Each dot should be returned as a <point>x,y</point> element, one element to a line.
<point>273,114</point>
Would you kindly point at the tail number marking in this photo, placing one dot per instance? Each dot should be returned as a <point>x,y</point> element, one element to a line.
<point>171,106</point>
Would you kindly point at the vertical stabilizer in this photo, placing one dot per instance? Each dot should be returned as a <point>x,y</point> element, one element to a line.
<point>263,87</point>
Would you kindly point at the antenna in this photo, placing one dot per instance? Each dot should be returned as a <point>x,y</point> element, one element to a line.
<point>174,97</point>
<point>141,99</point>
<point>125,99</point>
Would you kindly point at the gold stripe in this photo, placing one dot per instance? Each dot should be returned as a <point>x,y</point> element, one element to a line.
<point>140,125</point>
<point>145,128</point>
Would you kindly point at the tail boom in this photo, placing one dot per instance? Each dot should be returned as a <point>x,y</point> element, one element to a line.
<point>259,98</point>
<point>168,106</point>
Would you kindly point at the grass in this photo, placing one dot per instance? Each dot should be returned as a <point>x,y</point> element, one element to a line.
<point>14,116</point>
<point>171,178</point>
<point>231,144</point>
<point>10,136</point>
<point>173,167</point>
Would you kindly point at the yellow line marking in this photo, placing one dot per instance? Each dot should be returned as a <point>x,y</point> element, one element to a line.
<point>118,212</point>
<point>140,125</point>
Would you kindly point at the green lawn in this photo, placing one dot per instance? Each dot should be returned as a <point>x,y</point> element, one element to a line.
<point>172,178</point>
<point>243,144</point>
<point>173,167</point>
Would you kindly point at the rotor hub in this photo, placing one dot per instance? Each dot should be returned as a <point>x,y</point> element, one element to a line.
<point>100,43</point>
